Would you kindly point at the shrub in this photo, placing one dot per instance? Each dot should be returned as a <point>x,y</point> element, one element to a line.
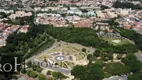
<point>33,74</point>
<point>41,77</point>
<point>48,72</point>
<point>97,53</point>
<point>23,70</point>
<point>83,49</point>
<point>38,69</point>
<point>29,72</point>
<point>58,75</point>
<point>119,56</point>
<point>110,56</point>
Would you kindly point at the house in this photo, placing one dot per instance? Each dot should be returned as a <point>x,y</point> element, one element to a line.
<point>24,29</point>
<point>91,13</point>
<point>19,14</point>
<point>74,10</point>
<point>112,14</point>
<point>100,14</point>
<point>84,23</point>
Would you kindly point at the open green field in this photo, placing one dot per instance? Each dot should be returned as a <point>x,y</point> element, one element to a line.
<point>116,41</point>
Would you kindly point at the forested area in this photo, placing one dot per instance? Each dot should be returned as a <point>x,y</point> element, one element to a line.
<point>21,43</point>
<point>136,76</point>
<point>37,34</point>
<point>117,68</point>
<point>134,0</point>
<point>126,5</point>
<point>132,35</point>
<point>90,72</point>
<point>88,37</point>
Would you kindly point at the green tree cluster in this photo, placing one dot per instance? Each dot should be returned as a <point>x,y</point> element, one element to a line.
<point>87,37</point>
<point>132,35</point>
<point>126,5</point>
<point>136,76</point>
<point>41,77</point>
<point>58,75</point>
<point>117,69</point>
<point>92,71</point>
<point>132,62</point>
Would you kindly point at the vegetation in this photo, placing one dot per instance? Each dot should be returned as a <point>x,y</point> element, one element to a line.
<point>41,77</point>
<point>97,53</point>
<point>107,75</point>
<point>104,7</point>
<point>29,64</point>
<point>119,56</point>
<point>34,67</point>
<point>29,72</point>
<point>87,37</point>
<point>91,58</point>
<point>136,76</point>
<point>133,63</point>
<point>117,69</point>
<point>33,74</point>
<point>22,71</point>
<point>26,42</point>
<point>126,5</point>
<point>89,72</point>
<point>84,36</point>
<point>58,75</point>
<point>48,72</point>
<point>132,35</point>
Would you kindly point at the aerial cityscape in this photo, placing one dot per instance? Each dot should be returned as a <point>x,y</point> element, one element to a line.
<point>70,39</point>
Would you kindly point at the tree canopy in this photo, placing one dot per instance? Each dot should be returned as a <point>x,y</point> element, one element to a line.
<point>117,69</point>
<point>133,63</point>
<point>136,76</point>
<point>89,72</point>
<point>126,5</point>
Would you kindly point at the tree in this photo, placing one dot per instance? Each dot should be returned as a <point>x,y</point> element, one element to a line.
<point>91,58</point>
<point>79,72</point>
<point>136,76</point>
<point>23,70</point>
<point>41,77</point>
<point>104,7</point>
<point>38,69</point>
<point>83,49</point>
<point>117,69</point>
<point>126,5</point>
<point>58,75</point>
<point>48,72</point>
<point>29,72</point>
<point>107,75</point>
<point>95,72</point>
<point>33,74</point>
<point>132,35</point>
<point>89,72</point>
<point>97,53</point>
<point>29,64</point>
<point>119,56</point>
<point>132,62</point>
<point>110,56</point>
